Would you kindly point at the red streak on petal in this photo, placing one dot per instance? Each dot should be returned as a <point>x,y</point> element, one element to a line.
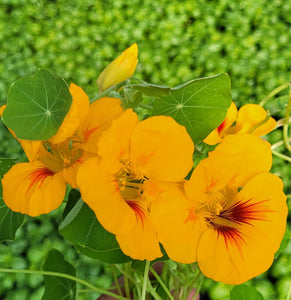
<point>88,132</point>
<point>244,212</point>
<point>221,126</point>
<point>38,176</point>
<point>231,235</point>
<point>138,209</point>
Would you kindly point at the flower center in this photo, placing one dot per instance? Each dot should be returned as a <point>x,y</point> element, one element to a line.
<point>130,181</point>
<point>61,156</point>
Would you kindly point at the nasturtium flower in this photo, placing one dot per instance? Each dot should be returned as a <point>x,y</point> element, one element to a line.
<point>251,118</point>
<point>230,216</point>
<point>119,187</point>
<point>38,186</point>
<point>119,69</point>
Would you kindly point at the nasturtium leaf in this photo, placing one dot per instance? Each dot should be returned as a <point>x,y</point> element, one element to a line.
<point>81,227</point>
<point>37,105</point>
<point>131,98</point>
<point>200,105</point>
<point>245,292</point>
<point>58,287</point>
<point>10,221</point>
<point>277,106</point>
<point>153,90</point>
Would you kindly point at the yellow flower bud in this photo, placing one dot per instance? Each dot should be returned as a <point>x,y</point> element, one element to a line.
<point>119,69</point>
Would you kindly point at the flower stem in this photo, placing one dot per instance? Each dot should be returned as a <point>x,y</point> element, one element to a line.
<point>126,280</point>
<point>116,283</point>
<point>161,282</point>
<point>145,279</point>
<point>67,276</point>
<point>286,123</point>
<point>282,156</point>
<point>273,93</point>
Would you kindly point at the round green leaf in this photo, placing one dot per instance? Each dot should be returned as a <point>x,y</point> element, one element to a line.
<point>37,105</point>
<point>200,105</point>
<point>81,227</point>
<point>58,287</point>
<point>245,292</point>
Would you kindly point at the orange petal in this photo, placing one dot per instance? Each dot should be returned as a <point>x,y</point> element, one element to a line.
<point>99,189</point>
<point>119,69</point>
<point>250,116</point>
<point>99,118</point>
<point>162,149</point>
<point>142,241</point>
<point>114,143</point>
<point>76,115</point>
<point>217,134</point>
<point>247,249</point>
<point>176,225</point>
<point>33,189</point>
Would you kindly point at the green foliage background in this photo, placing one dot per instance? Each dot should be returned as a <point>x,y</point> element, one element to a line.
<point>178,41</point>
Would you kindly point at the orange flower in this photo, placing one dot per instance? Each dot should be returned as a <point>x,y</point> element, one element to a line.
<point>119,69</point>
<point>38,186</point>
<point>232,215</point>
<point>251,118</point>
<point>120,187</point>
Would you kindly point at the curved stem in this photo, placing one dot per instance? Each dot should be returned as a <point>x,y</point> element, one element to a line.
<point>116,283</point>
<point>145,280</point>
<point>282,156</point>
<point>286,123</point>
<point>67,276</point>
<point>273,93</point>
<point>161,282</point>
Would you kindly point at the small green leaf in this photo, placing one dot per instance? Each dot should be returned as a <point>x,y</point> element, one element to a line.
<point>10,221</point>
<point>153,90</point>
<point>37,105</point>
<point>82,229</point>
<point>57,287</point>
<point>277,106</point>
<point>200,105</point>
<point>245,292</point>
<point>132,98</point>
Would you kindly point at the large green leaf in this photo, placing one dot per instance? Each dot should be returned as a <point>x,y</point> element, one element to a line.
<point>200,105</point>
<point>152,90</point>
<point>10,221</point>
<point>81,227</point>
<point>57,287</point>
<point>37,105</point>
<point>245,292</point>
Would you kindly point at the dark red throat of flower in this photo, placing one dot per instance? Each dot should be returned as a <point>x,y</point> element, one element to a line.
<point>38,176</point>
<point>138,210</point>
<point>242,212</point>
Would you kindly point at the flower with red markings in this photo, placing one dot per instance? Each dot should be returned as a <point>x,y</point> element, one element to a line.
<point>231,214</point>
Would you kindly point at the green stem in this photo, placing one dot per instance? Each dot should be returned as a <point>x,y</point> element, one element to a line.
<point>116,283</point>
<point>161,282</point>
<point>63,275</point>
<point>126,280</point>
<point>145,106</point>
<point>106,92</point>
<point>145,280</point>
<point>282,156</point>
<point>286,123</point>
<point>289,292</point>
<point>273,93</point>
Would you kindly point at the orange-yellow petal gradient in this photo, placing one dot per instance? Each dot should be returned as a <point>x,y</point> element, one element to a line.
<point>115,142</point>
<point>76,115</point>
<point>141,242</point>
<point>119,69</point>
<point>162,149</point>
<point>99,189</point>
<point>99,118</point>
<point>249,118</point>
<point>217,134</point>
<point>247,249</point>
<point>175,222</point>
<point>32,189</point>
<point>239,157</point>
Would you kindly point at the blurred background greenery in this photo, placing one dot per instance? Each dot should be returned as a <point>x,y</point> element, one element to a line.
<point>178,41</point>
